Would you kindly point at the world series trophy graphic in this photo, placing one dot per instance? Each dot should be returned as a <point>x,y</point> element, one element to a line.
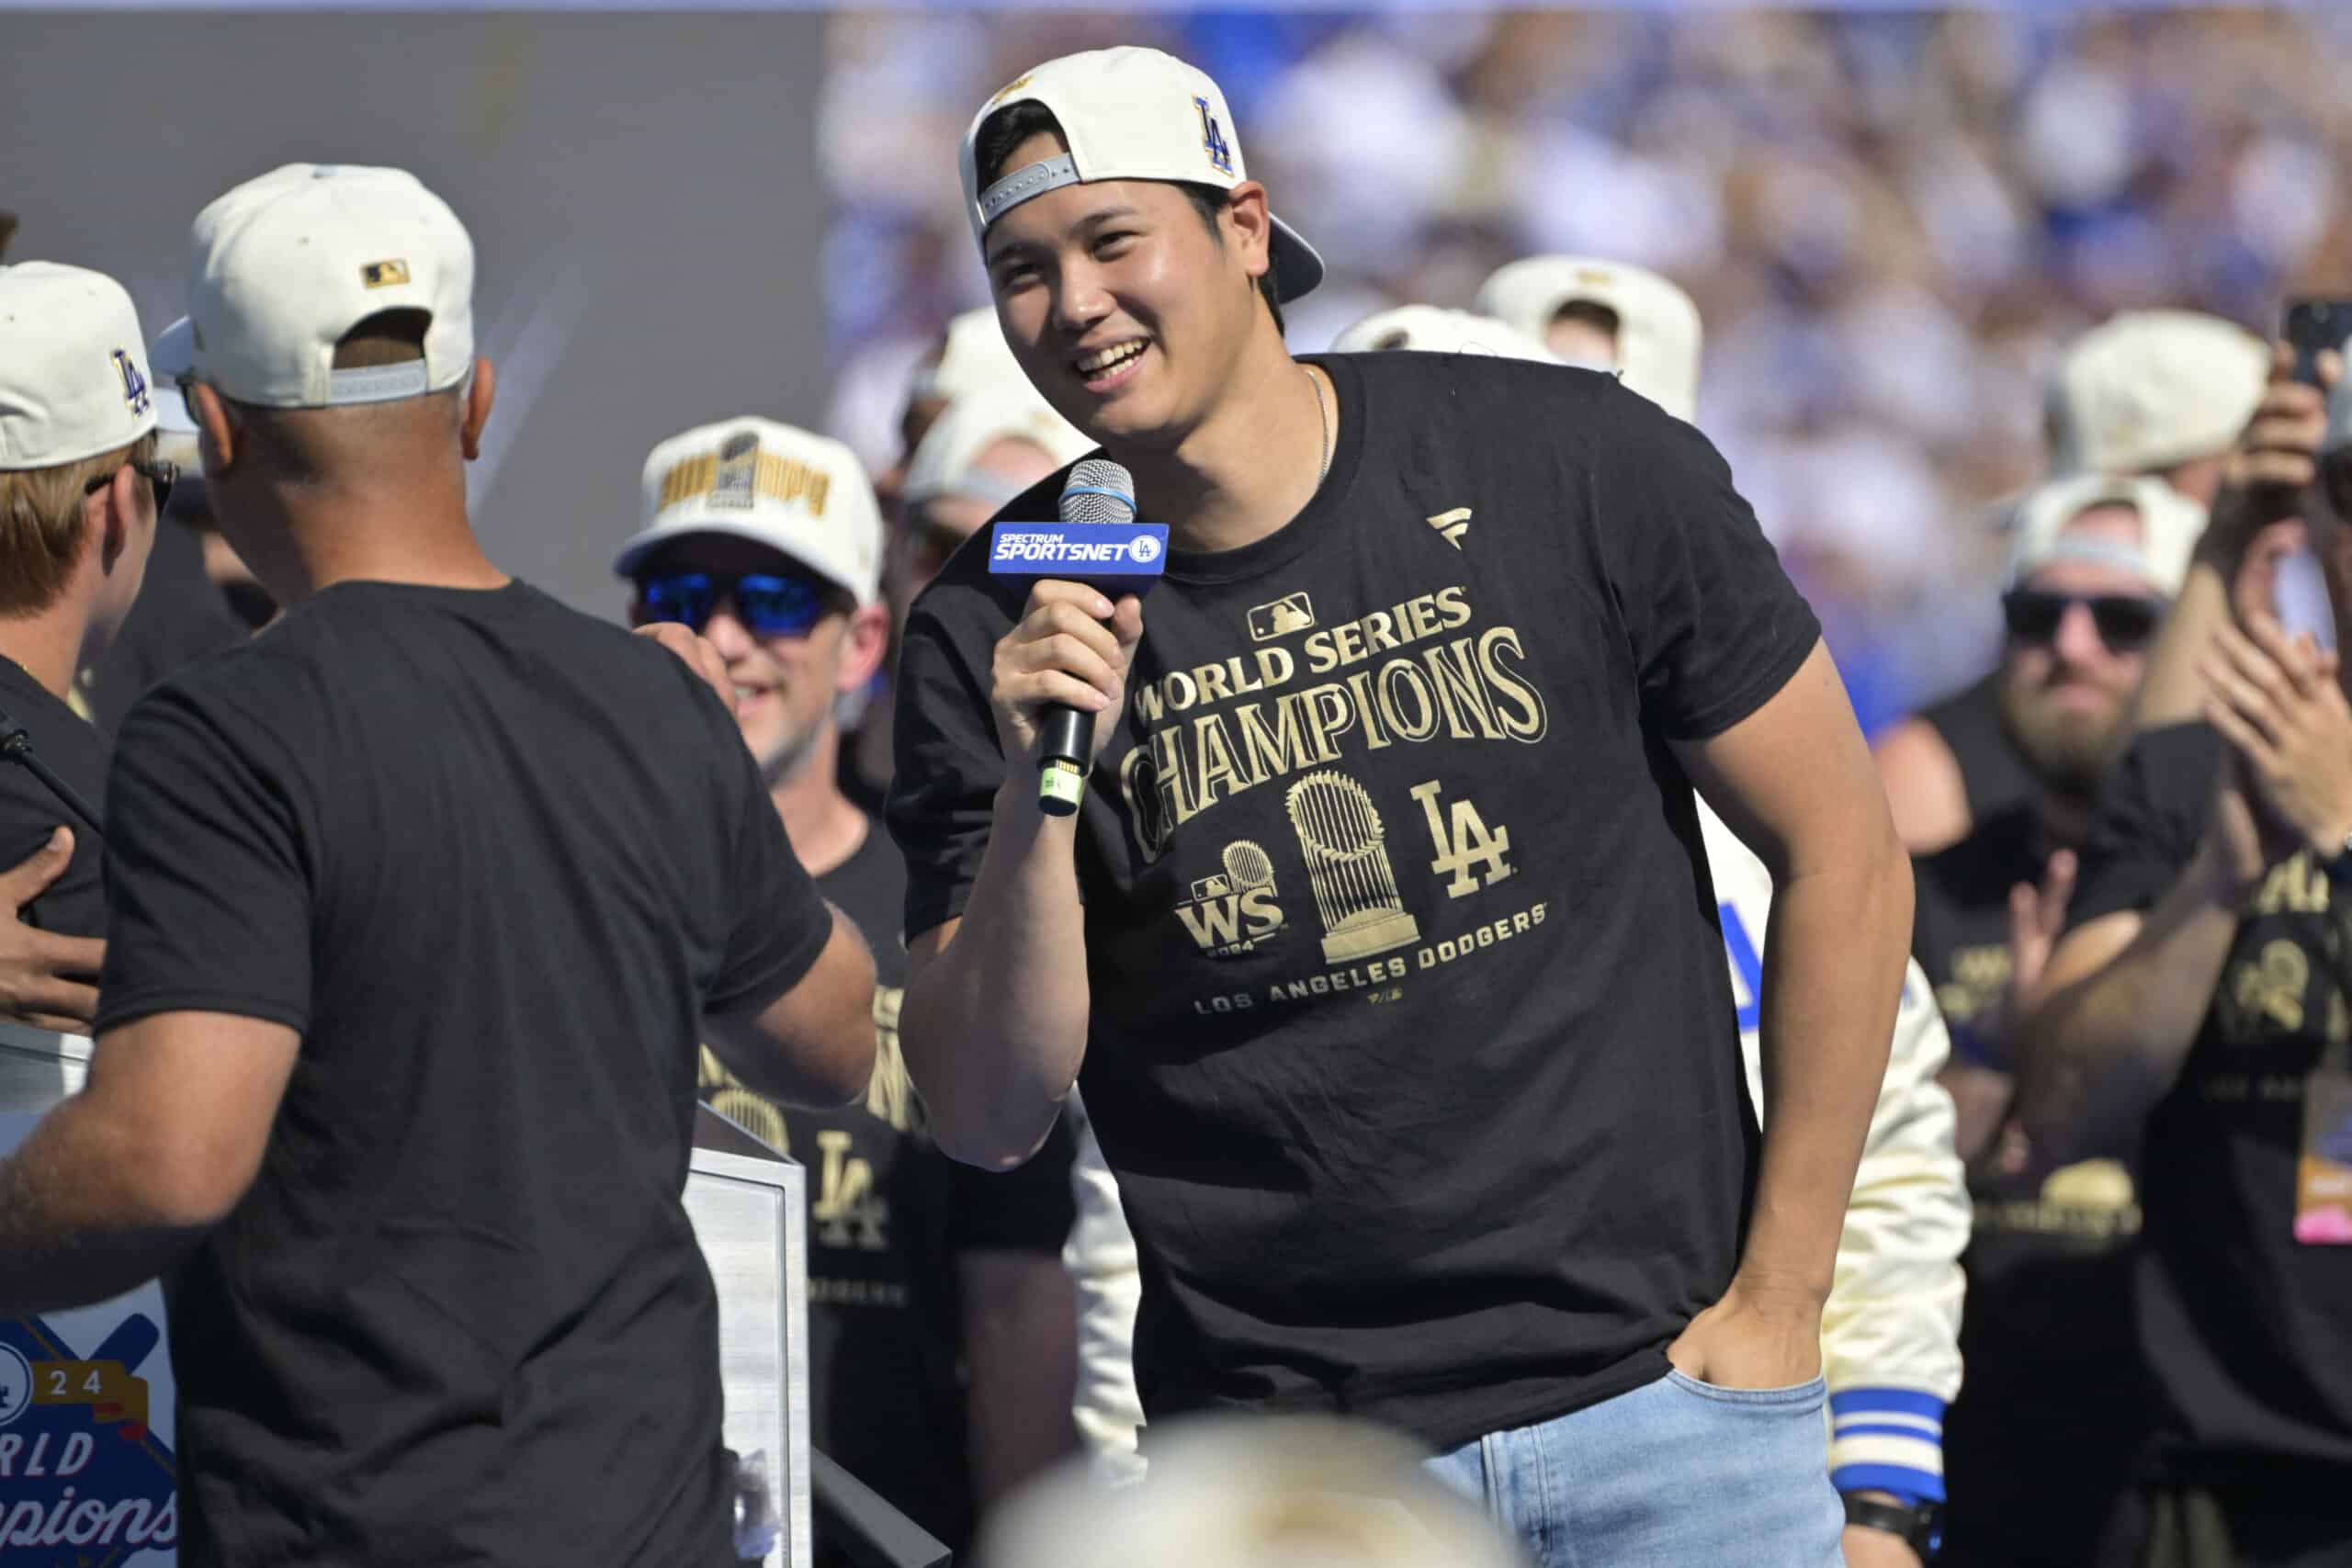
<point>1249,865</point>
<point>1347,865</point>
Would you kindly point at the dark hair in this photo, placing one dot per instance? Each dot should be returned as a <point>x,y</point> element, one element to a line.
<point>1590,313</point>
<point>1016,123</point>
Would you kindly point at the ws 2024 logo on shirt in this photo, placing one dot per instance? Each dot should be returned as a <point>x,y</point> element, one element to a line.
<point>84,1480</point>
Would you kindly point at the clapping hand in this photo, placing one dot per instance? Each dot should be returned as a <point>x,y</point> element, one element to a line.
<point>2280,707</point>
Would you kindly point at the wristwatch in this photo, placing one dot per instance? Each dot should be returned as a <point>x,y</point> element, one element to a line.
<point>1918,1525</point>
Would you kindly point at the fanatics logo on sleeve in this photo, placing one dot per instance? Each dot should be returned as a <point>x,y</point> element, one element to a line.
<point>1451,526</point>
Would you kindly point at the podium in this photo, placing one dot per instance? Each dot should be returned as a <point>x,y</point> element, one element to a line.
<point>96,1436</point>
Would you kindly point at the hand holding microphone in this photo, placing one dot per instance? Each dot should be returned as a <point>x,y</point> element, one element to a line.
<point>1060,673</point>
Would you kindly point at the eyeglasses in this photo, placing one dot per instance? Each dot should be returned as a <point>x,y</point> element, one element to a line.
<point>160,474</point>
<point>2125,621</point>
<point>767,606</point>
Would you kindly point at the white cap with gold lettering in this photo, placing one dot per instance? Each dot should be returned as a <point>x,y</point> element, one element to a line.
<point>286,265</point>
<point>1128,114</point>
<point>72,366</point>
<point>803,495</point>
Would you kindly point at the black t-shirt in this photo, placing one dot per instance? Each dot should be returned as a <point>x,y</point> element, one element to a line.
<point>1412,1043</point>
<point>2248,1331</point>
<point>2043,1437</point>
<point>889,1217</point>
<point>74,903</point>
<point>494,860</point>
<point>1991,770</point>
<point>178,617</point>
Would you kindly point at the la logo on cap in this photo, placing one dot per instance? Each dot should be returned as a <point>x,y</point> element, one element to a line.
<point>134,385</point>
<point>1213,140</point>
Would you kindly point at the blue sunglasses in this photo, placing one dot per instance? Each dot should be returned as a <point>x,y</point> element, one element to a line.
<point>767,606</point>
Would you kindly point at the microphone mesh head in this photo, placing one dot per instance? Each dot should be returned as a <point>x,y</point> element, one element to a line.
<point>1098,491</point>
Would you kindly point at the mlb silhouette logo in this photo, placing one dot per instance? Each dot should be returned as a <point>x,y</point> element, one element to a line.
<point>384,273</point>
<point>1213,140</point>
<point>1290,613</point>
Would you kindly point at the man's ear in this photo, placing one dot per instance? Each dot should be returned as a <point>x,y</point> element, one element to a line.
<point>479,393</point>
<point>863,643</point>
<point>216,433</point>
<point>1251,226</point>
<point>110,514</point>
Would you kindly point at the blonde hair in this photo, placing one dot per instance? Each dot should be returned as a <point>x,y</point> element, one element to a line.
<point>44,515</point>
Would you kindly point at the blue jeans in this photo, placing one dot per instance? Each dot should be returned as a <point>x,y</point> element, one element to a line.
<point>1677,1473</point>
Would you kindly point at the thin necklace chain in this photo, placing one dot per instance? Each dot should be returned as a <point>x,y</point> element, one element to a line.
<point>1323,420</point>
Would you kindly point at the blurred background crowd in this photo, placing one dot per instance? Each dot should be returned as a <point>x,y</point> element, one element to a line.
<point>1892,223</point>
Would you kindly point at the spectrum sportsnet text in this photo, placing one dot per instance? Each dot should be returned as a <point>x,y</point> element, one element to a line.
<point>1129,553</point>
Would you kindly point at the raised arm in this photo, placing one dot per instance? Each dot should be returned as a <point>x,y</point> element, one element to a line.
<point>2270,472</point>
<point>1794,782</point>
<point>994,1024</point>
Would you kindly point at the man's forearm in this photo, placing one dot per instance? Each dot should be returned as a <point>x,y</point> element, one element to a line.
<point>74,1228</point>
<point>1833,978</point>
<point>2173,691</point>
<point>994,1026</point>
<point>2098,1054</point>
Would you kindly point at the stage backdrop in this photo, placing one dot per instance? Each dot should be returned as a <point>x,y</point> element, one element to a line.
<point>641,191</point>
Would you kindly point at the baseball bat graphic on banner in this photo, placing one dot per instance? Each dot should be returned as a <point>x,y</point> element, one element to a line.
<point>1098,542</point>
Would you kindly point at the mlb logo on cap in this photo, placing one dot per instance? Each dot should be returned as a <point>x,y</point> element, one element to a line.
<point>287,264</point>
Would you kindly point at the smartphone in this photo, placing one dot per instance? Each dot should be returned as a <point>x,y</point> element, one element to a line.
<point>2299,597</point>
<point>2312,326</point>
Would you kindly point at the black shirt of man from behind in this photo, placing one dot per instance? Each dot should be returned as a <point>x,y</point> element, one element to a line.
<point>494,861</point>
<point>30,811</point>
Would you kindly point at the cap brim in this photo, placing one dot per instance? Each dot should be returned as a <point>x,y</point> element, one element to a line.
<point>1297,268</point>
<point>173,353</point>
<point>633,554</point>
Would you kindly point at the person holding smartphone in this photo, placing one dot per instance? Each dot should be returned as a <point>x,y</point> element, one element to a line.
<point>2201,1005</point>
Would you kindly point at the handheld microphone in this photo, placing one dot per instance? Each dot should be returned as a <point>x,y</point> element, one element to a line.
<point>1098,543</point>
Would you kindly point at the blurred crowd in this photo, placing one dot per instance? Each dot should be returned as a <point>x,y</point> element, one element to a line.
<point>1891,223</point>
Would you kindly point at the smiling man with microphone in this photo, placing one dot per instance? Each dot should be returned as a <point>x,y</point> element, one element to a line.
<point>1382,931</point>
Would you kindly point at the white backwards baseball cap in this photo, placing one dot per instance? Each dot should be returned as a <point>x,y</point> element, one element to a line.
<point>1432,329</point>
<point>2170,524</point>
<point>286,265</point>
<point>946,461</point>
<point>73,380</point>
<point>2149,388</point>
<point>1128,114</point>
<point>803,495</point>
<point>1657,324</point>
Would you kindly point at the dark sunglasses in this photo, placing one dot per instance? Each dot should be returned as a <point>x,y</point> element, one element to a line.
<point>2125,621</point>
<point>767,606</point>
<point>162,475</point>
